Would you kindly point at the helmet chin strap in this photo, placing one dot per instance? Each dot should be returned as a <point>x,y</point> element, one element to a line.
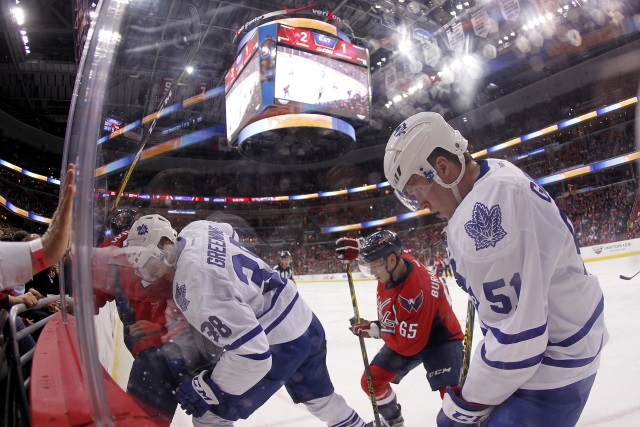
<point>454,185</point>
<point>390,273</point>
<point>456,193</point>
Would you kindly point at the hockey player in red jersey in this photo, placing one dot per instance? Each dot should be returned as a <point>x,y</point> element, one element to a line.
<point>439,266</point>
<point>415,320</point>
<point>140,307</point>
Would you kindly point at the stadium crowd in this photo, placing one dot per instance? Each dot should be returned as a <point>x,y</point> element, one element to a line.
<point>602,206</point>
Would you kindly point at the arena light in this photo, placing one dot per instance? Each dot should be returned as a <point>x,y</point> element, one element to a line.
<point>18,15</point>
<point>405,45</point>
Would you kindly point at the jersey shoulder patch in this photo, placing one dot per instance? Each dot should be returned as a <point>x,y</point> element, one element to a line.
<point>411,304</point>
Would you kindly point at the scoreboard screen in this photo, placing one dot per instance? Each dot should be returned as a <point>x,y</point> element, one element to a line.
<point>243,100</point>
<point>302,38</point>
<point>321,84</point>
<point>288,70</point>
<point>243,58</point>
<point>111,125</point>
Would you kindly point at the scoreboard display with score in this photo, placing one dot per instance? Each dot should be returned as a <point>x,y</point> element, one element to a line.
<point>282,70</point>
<point>320,43</point>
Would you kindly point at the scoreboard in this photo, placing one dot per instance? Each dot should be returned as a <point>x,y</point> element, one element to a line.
<point>282,70</point>
<point>323,44</point>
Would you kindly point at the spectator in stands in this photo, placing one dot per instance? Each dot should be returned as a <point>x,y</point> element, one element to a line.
<point>6,302</point>
<point>47,283</point>
<point>19,261</point>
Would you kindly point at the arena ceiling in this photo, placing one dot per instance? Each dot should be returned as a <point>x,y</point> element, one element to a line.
<point>545,37</point>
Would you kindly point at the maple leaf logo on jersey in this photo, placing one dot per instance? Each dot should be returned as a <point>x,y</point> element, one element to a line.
<point>412,304</point>
<point>142,229</point>
<point>181,297</point>
<point>485,226</point>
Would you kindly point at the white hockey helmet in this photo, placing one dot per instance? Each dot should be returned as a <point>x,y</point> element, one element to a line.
<point>145,237</point>
<point>411,143</point>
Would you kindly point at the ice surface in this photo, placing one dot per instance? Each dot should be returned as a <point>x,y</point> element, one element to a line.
<point>614,400</point>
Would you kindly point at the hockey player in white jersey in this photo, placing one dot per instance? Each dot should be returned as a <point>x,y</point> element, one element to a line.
<point>269,334</point>
<point>515,253</point>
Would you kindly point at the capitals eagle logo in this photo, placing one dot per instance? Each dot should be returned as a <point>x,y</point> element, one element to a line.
<point>411,304</point>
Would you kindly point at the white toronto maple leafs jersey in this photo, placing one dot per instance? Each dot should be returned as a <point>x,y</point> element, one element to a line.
<point>540,310</point>
<point>236,300</point>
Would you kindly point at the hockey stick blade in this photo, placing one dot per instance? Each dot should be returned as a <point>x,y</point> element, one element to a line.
<point>629,277</point>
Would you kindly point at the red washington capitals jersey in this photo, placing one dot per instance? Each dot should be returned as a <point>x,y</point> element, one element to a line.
<point>416,312</point>
<point>134,300</point>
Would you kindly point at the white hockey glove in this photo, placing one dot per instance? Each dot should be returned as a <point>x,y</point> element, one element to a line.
<point>365,328</point>
<point>198,395</point>
<point>456,411</point>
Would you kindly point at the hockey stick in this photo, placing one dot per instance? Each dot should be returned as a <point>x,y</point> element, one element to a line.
<point>629,277</point>
<point>365,359</point>
<point>466,343</point>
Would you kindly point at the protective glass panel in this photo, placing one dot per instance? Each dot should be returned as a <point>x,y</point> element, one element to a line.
<point>274,120</point>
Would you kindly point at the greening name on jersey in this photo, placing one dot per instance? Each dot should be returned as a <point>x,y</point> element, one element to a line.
<point>236,300</point>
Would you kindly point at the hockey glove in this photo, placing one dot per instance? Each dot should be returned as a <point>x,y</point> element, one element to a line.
<point>198,395</point>
<point>365,328</point>
<point>458,412</point>
<point>347,248</point>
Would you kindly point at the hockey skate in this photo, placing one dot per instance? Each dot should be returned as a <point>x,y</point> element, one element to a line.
<point>396,422</point>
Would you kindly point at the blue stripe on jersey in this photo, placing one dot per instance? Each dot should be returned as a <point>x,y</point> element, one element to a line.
<point>584,330</point>
<point>484,168</point>
<point>519,337</point>
<point>261,356</point>
<point>284,314</point>
<point>353,421</point>
<point>274,299</point>
<point>526,363</point>
<point>245,338</point>
<point>572,363</point>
